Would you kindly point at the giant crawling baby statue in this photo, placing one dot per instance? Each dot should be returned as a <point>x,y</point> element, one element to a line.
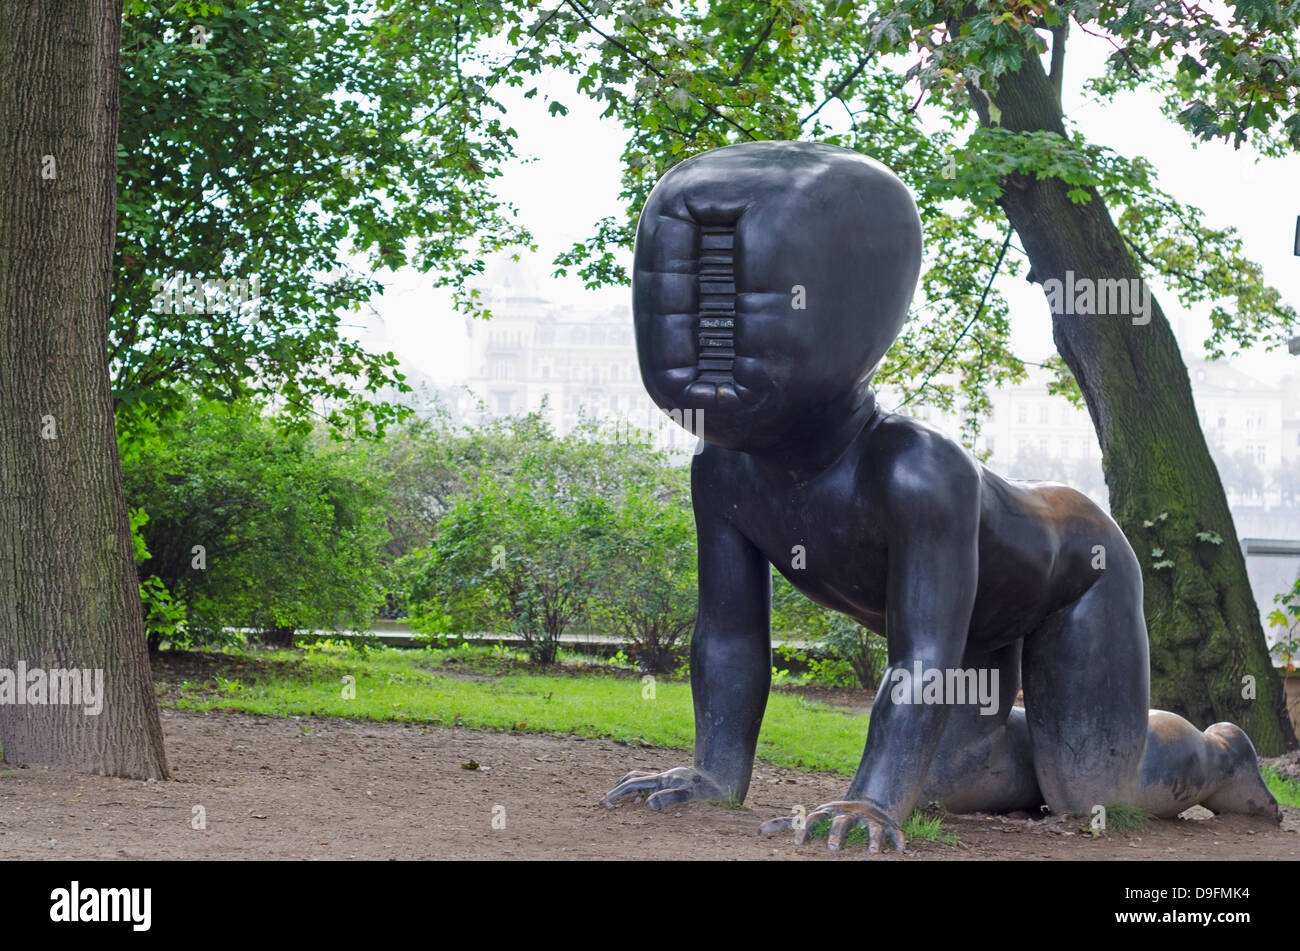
<point>769,280</point>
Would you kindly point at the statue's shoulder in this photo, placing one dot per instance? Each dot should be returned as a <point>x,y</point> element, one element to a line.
<point>911,459</point>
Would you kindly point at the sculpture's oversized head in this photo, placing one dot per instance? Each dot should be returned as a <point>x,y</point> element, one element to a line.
<point>769,280</point>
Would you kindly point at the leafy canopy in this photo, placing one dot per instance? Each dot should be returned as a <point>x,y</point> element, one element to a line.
<point>297,146</point>
<point>683,77</point>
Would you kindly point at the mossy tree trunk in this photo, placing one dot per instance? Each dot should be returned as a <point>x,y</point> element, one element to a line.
<point>1209,658</point>
<point>68,592</point>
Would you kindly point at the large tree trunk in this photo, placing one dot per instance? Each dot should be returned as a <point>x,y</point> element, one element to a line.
<point>68,594</point>
<point>1209,658</point>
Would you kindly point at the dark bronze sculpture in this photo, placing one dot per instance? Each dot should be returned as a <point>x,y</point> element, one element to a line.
<point>770,278</point>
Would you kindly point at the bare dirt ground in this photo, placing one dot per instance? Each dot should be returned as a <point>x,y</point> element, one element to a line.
<point>335,789</point>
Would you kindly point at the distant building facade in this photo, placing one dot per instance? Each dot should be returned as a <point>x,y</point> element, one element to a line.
<point>577,362</point>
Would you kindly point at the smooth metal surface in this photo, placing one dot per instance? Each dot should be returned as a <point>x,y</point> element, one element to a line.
<point>770,278</point>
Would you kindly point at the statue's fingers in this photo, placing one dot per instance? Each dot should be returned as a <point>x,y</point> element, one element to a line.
<point>814,817</point>
<point>780,823</point>
<point>667,798</point>
<point>897,839</point>
<point>638,774</point>
<point>875,836</point>
<point>868,812</point>
<point>629,788</point>
<point>840,827</point>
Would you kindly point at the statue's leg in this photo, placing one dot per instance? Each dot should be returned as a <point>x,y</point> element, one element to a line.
<point>984,762</point>
<point>1087,692</point>
<point>1095,742</point>
<point>1217,768</point>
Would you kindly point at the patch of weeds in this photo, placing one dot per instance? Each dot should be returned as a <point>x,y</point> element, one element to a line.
<point>1286,791</point>
<point>228,684</point>
<point>924,824</point>
<point>927,824</point>
<point>1120,819</point>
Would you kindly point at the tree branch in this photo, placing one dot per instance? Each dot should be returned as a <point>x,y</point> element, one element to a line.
<point>1057,74</point>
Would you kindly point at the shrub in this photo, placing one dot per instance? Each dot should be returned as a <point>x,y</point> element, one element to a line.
<point>252,527</point>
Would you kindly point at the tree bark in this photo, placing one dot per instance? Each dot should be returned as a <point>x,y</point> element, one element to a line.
<point>1208,652</point>
<point>68,591</point>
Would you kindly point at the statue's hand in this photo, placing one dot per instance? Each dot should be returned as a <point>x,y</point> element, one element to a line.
<point>844,815</point>
<point>666,789</point>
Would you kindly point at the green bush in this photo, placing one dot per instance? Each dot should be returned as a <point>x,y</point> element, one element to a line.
<point>1287,617</point>
<point>648,591</point>
<point>251,527</point>
<point>515,549</point>
<point>548,531</point>
<point>164,617</point>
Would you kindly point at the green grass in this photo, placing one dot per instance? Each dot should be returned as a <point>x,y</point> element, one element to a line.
<point>1125,820</point>
<point>411,686</point>
<point>1285,791</point>
<point>1120,819</point>
<point>924,825</point>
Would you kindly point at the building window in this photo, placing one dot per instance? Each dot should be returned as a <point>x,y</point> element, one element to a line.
<point>1022,414</point>
<point>1042,414</point>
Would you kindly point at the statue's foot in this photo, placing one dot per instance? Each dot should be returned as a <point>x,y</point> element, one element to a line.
<point>665,789</point>
<point>844,816</point>
<point>1243,789</point>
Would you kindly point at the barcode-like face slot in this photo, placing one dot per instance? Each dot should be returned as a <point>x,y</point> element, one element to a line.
<point>717,313</point>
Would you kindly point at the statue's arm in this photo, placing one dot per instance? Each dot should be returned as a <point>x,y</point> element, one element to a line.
<point>731,656</point>
<point>932,498</point>
<point>731,659</point>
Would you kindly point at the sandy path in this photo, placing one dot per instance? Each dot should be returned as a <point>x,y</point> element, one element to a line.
<point>330,789</point>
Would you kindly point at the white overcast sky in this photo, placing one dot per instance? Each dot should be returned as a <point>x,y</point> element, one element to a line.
<point>568,177</point>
